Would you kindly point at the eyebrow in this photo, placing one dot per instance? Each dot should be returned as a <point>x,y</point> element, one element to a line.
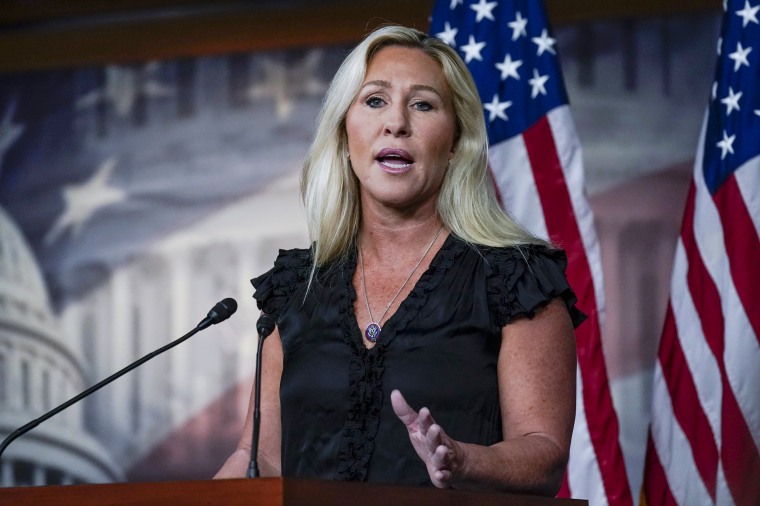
<point>386,84</point>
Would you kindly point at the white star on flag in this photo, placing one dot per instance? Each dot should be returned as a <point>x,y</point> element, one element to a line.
<point>484,10</point>
<point>732,101</point>
<point>454,4</point>
<point>448,35</point>
<point>544,43</point>
<point>726,145</point>
<point>740,56</point>
<point>518,27</point>
<point>497,108</point>
<point>84,200</point>
<point>748,14</point>
<point>509,68</point>
<point>472,50</point>
<point>538,84</point>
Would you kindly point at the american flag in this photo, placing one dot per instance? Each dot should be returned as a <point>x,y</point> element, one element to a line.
<point>705,429</point>
<point>536,164</point>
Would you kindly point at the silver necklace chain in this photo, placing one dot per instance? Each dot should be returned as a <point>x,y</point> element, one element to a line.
<point>372,331</point>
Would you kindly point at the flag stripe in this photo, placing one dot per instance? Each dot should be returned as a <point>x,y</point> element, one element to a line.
<point>741,463</point>
<point>686,406</point>
<point>554,195</point>
<point>518,191</point>
<point>563,229</point>
<point>741,241</point>
<point>583,476</point>
<point>695,349</point>
<point>748,181</point>
<point>569,152</point>
<point>655,483</point>
<point>704,293</point>
<point>674,452</point>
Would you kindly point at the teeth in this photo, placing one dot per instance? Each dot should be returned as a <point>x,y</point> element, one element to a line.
<point>395,161</point>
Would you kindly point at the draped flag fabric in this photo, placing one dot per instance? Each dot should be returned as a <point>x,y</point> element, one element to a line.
<point>536,165</point>
<point>705,430</point>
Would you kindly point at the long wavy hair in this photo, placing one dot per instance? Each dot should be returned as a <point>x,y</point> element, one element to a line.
<point>467,202</point>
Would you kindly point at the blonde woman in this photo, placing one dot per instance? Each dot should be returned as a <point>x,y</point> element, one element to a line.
<point>425,338</point>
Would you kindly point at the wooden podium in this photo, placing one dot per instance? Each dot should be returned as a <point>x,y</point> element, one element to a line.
<point>264,492</point>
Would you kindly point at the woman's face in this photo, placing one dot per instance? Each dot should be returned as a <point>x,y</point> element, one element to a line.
<point>401,130</point>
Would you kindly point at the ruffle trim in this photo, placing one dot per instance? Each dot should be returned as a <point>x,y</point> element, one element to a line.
<point>274,288</point>
<point>521,280</point>
<point>514,286</point>
<point>367,365</point>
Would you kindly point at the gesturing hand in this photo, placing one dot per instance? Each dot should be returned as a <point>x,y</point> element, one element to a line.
<point>440,453</point>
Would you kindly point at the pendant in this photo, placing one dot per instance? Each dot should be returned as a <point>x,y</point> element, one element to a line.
<point>372,332</point>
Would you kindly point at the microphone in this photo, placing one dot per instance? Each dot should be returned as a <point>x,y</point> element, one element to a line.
<point>220,312</point>
<point>264,327</point>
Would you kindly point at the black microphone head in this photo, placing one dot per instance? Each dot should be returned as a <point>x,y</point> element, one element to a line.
<point>265,325</point>
<point>222,310</point>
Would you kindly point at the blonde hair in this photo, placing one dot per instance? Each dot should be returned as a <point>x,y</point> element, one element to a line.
<point>467,202</point>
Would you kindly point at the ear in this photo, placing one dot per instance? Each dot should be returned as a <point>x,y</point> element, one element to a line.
<point>455,141</point>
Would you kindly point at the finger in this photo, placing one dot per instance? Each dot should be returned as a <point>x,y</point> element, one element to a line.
<point>442,478</point>
<point>441,475</point>
<point>403,411</point>
<point>433,437</point>
<point>425,420</point>
<point>442,458</point>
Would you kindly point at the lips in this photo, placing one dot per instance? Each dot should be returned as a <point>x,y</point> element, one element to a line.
<point>394,161</point>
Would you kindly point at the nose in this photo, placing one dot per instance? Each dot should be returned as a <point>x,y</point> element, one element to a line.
<point>397,121</point>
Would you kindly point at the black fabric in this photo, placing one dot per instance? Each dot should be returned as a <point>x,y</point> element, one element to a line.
<point>439,349</point>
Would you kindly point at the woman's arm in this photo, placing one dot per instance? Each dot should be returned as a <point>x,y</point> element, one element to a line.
<point>536,374</point>
<point>236,465</point>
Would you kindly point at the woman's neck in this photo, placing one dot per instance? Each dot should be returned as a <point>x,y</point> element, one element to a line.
<point>395,240</point>
<point>390,234</point>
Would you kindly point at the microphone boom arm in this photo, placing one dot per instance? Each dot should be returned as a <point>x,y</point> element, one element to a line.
<point>228,306</point>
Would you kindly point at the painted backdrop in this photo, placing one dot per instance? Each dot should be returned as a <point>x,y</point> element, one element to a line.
<point>133,198</point>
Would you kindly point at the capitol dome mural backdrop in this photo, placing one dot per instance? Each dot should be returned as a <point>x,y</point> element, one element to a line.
<point>134,197</point>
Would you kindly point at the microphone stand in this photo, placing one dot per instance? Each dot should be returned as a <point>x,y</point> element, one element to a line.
<point>205,323</point>
<point>264,326</point>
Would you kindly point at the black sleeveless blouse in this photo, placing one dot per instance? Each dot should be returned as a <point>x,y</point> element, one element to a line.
<point>439,349</point>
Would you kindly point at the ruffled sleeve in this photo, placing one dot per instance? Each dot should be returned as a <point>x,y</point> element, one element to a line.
<point>274,288</point>
<point>522,280</point>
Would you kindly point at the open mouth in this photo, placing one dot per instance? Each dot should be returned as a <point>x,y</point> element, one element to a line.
<point>395,161</point>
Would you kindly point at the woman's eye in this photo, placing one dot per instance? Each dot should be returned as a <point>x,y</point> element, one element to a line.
<point>374,102</point>
<point>422,106</point>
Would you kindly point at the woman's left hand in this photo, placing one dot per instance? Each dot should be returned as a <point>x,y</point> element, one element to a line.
<point>441,454</point>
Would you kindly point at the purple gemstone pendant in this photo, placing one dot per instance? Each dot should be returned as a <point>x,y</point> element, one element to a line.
<point>372,332</point>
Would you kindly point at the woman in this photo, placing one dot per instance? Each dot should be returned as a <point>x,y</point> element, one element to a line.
<point>418,291</point>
